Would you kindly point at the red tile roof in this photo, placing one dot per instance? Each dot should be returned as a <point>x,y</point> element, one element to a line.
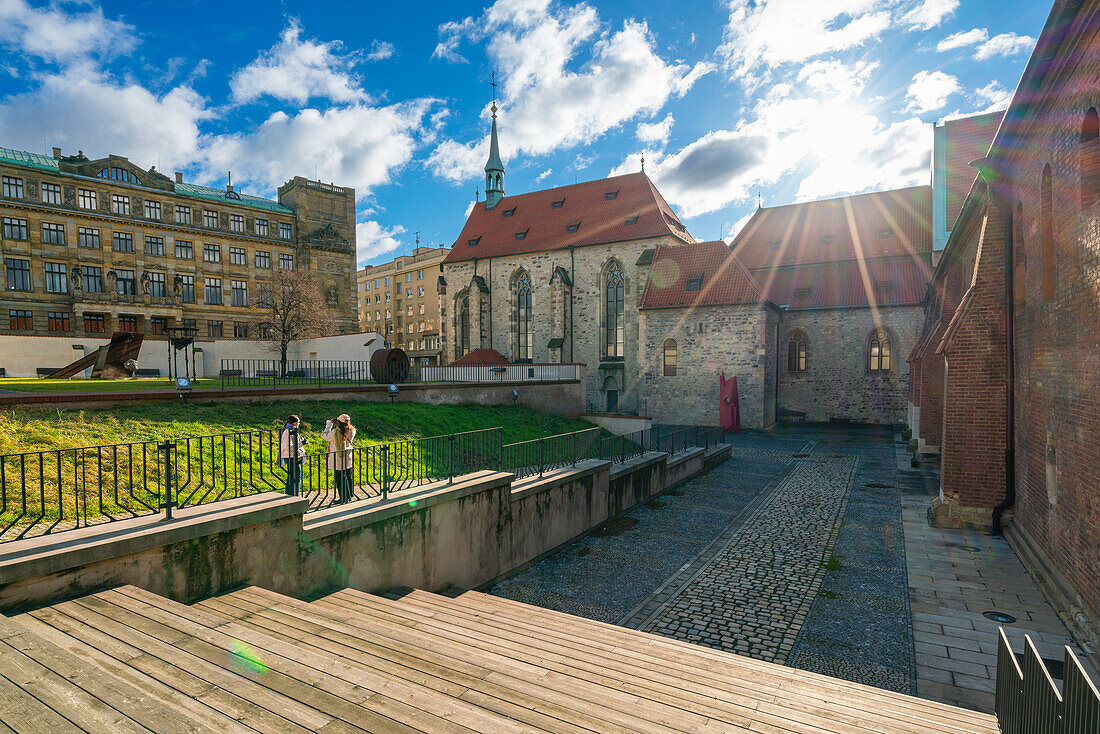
<point>966,139</point>
<point>724,280</point>
<point>894,282</point>
<point>481,356</point>
<point>828,230</point>
<point>599,220</point>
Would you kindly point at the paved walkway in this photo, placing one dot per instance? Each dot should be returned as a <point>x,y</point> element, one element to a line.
<point>810,546</point>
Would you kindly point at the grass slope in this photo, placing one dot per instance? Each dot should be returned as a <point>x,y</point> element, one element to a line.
<point>33,429</point>
<point>31,384</point>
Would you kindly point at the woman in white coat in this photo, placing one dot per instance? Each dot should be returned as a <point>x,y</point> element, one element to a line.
<point>340,435</point>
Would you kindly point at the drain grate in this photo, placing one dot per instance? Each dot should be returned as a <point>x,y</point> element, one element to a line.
<point>999,617</point>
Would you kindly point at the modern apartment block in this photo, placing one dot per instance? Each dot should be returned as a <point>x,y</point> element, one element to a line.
<point>99,246</point>
<point>399,300</point>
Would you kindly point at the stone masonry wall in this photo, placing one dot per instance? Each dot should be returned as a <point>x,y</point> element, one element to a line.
<point>837,383</point>
<point>709,340</point>
<point>586,266</point>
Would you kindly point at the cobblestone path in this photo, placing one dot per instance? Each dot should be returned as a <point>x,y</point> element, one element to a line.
<point>754,595</point>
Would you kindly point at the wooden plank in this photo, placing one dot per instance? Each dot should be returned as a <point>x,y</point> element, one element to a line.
<point>788,678</point>
<point>155,703</point>
<point>23,713</point>
<point>622,709</point>
<point>843,709</point>
<point>809,720</point>
<point>490,696</point>
<point>398,700</point>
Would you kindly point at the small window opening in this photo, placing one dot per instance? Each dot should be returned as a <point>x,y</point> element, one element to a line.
<point>473,242</point>
<point>632,220</point>
<point>694,283</point>
<point>573,227</point>
<point>521,235</point>
<point>510,212</point>
<point>557,204</point>
<point>611,195</point>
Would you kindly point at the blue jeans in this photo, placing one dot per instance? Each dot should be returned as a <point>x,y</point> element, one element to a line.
<point>293,477</point>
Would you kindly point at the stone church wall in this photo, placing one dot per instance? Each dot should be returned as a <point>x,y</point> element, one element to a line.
<point>585,267</point>
<point>709,340</point>
<point>837,383</point>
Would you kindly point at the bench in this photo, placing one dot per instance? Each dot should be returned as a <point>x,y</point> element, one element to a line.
<point>147,372</point>
<point>265,373</point>
<point>231,373</point>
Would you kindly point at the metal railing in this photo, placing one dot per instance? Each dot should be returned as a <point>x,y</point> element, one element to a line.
<point>46,492</point>
<point>270,373</point>
<point>1028,700</point>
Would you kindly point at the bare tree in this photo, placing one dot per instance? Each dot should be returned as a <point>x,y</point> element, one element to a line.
<point>291,308</point>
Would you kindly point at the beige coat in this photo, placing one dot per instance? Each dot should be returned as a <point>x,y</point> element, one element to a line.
<point>339,457</point>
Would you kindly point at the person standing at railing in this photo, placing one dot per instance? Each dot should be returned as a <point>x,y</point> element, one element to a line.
<point>340,434</point>
<point>292,454</point>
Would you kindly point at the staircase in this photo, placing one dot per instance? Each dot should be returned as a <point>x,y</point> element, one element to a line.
<point>126,660</point>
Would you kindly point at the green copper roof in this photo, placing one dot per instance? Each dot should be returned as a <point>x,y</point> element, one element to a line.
<point>205,192</point>
<point>29,160</point>
<point>48,163</point>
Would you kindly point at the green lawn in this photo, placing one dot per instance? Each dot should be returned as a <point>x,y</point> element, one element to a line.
<point>32,384</point>
<point>37,429</point>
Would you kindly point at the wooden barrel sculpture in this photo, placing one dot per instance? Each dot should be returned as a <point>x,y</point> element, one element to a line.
<point>389,366</point>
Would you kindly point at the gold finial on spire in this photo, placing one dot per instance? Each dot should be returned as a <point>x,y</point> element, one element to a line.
<point>643,164</point>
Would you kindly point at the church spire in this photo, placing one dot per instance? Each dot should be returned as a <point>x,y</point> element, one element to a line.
<point>494,168</point>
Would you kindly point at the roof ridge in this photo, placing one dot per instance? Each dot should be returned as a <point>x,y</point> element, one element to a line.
<point>843,196</point>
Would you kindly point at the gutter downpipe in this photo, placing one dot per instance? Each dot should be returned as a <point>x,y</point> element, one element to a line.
<point>778,327</point>
<point>985,168</point>
<point>573,278</point>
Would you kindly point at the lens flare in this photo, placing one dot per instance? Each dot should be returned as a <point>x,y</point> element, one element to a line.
<point>246,659</point>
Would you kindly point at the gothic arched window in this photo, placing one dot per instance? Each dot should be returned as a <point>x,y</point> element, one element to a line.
<point>670,357</point>
<point>525,330</point>
<point>462,324</point>
<point>796,352</point>
<point>614,312</point>
<point>879,351</point>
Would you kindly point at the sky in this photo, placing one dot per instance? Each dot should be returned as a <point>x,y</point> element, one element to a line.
<point>731,102</point>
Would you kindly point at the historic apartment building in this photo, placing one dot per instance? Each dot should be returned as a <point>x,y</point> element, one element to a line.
<point>399,300</point>
<point>99,246</point>
<point>1006,376</point>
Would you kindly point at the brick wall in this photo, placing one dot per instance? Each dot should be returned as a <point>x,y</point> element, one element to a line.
<point>974,439</point>
<point>837,384</point>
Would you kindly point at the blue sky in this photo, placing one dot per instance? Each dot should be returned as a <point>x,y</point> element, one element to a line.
<point>789,99</point>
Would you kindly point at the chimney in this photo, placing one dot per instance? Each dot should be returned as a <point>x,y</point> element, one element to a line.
<point>229,182</point>
<point>56,152</point>
<point>179,177</point>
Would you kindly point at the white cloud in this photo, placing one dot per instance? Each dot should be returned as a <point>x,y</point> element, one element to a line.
<point>835,77</point>
<point>834,145</point>
<point>547,101</point>
<point>1004,44</point>
<point>963,38</point>
<point>381,50</point>
<point>81,107</point>
<point>544,175</point>
<point>372,240</point>
<point>297,70</point>
<point>357,146</point>
<point>929,91</point>
<point>762,36</point>
<point>655,132</point>
<point>58,33</point>
<point>994,95</point>
<point>929,14</point>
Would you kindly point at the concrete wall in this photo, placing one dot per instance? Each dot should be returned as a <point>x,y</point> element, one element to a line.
<point>618,424</point>
<point>20,356</point>
<point>837,384</point>
<point>439,535</point>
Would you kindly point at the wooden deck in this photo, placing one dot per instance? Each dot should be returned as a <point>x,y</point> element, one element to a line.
<point>126,660</point>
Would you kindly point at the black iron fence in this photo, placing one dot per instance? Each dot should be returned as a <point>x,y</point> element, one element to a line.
<point>46,492</point>
<point>1028,701</point>
<point>272,373</point>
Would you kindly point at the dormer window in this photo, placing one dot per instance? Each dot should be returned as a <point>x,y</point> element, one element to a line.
<point>803,292</point>
<point>116,173</point>
<point>573,227</point>
<point>632,220</point>
<point>886,233</point>
<point>509,212</point>
<point>611,195</point>
<point>826,239</point>
<point>884,285</point>
<point>232,195</point>
<point>557,204</point>
<point>521,235</point>
<point>694,283</point>
<point>773,246</point>
<point>473,242</point>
